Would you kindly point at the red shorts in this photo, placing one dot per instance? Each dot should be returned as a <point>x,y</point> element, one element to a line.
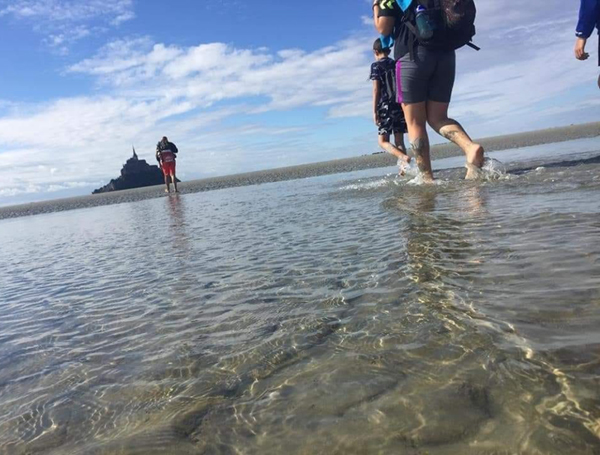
<point>168,168</point>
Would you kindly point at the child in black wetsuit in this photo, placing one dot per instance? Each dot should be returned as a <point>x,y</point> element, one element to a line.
<point>387,113</point>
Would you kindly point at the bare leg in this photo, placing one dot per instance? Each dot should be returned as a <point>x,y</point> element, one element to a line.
<point>437,116</point>
<point>416,120</point>
<point>168,190</point>
<point>174,180</point>
<point>399,141</point>
<point>385,144</point>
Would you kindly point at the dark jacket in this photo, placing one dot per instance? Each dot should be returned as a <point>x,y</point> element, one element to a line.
<point>589,17</point>
<point>168,146</point>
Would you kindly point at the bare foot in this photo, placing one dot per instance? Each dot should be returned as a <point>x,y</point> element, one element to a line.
<point>474,155</point>
<point>475,158</point>
<point>473,172</point>
<point>167,190</point>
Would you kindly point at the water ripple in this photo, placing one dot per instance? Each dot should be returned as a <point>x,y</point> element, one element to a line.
<point>333,315</point>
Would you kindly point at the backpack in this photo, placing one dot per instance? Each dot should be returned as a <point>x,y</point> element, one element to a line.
<point>452,23</point>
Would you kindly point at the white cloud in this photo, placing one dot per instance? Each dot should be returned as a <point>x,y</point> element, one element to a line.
<point>64,22</point>
<point>213,72</point>
<point>68,11</point>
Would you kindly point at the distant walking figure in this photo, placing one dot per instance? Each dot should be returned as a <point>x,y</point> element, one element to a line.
<point>589,17</point>
<point>426,36</point>
<point>166,152</point>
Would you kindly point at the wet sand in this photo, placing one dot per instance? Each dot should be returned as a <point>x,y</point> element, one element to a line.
<point>380,160</point>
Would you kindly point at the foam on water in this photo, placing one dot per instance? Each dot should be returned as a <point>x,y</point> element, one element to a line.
<point>368,185</point>
<point>494,169</point>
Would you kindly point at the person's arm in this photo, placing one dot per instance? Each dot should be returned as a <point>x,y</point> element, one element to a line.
<point>376,96</point>
<point>174,148</point>
<point>384,16</point>
<point>588,16</point>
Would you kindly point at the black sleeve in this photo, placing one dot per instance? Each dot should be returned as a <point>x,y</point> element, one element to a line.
<point>389,8</point>
<point>375,76</point>
<point>173,148</point>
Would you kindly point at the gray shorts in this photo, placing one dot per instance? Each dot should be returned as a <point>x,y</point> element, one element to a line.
<point>430,77</point>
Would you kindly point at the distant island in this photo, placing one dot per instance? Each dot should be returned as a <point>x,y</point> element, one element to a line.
<point>135,173</point>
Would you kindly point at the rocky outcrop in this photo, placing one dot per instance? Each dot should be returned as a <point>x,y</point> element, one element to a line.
<point>136,173</point>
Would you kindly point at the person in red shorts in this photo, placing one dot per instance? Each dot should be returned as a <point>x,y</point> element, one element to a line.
<point>166,152</point>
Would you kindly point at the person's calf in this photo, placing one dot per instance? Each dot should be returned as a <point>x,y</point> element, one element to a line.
<point>438,123</point>
<point>454,132</point>
<point>420,148</point>
<point>386,145</point>
<point>399,141</point>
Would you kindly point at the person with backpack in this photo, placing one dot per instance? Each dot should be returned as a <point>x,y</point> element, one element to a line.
<point>166,153</point>
<point>387,113</point>
<point>426,34</point>
<point>589,18</point>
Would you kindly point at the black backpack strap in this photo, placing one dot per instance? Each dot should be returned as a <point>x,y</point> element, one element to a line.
<point>412,28</point>
<point>473,46</point>
<point>413,39</point>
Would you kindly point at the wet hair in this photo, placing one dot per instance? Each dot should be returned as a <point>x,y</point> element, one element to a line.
<point>378,47</point>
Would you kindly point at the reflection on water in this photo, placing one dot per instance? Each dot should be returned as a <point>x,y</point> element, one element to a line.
<point>317,316</point>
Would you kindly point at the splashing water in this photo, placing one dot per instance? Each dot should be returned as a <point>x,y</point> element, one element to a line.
<point>412,171</point>
<point>493,169</point>
<point>366,185</point>
<point>409,169</point>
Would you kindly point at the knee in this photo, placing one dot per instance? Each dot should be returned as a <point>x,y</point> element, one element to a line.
<point>382,140</point>
<point>417,126</point>
<point>437,121</point>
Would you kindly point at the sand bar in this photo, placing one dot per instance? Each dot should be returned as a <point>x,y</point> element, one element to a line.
<point>498,143</point>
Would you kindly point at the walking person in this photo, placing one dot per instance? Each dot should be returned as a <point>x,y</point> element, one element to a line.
<point>166,153</point>
<point>589,18</point>
<point>426,65</point>
<point>387,113</point>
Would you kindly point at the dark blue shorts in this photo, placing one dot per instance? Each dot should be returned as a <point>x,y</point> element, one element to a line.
<point>429,77</point>
<point>391,119</point>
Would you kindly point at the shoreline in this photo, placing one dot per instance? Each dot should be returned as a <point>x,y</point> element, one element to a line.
<point>343,165</point>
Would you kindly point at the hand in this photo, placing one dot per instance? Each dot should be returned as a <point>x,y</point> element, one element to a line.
<point>376,118</point>
<point>580,53</point>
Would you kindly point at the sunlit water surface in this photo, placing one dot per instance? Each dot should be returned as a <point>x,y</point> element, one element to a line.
<point>348,314</point>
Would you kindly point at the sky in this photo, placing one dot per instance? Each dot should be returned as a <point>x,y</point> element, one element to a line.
<point>244,85</point>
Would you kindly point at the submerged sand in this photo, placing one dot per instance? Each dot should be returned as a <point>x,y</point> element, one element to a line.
<point>380,160</point>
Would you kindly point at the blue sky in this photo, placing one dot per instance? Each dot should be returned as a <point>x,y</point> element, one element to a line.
<point>246,85</point>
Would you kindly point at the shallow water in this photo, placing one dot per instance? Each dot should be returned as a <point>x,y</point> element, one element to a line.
<point>348,314</point>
